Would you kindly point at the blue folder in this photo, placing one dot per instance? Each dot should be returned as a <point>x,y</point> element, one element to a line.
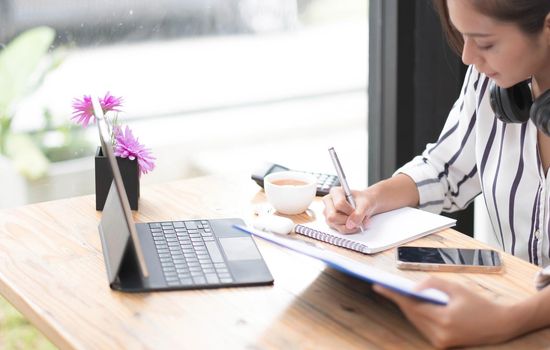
<point>351,267</point>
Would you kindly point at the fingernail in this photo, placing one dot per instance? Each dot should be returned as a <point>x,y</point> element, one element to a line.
<point>350,225</point>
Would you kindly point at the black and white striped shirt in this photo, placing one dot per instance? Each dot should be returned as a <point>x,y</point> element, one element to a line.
<point>476,153</point>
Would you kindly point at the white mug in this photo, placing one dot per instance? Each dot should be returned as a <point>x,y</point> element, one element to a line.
<point>290,192</point>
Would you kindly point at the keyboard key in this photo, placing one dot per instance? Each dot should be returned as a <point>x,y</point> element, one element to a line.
<point>199,280</point>
<point>179,224</point>
<point>154,225</point>
<point>214,251</point>
<point>224,275</point>
<point>211,278</point>
<point>191,225</point>
<point>226,280</point>
<point>186,281</point>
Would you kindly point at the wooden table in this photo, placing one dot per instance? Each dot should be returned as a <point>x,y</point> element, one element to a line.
<point>51,269</point>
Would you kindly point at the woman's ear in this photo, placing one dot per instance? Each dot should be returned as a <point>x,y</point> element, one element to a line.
<point>546,28</point>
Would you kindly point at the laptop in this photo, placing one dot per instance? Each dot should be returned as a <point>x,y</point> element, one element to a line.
<point>171,255</point>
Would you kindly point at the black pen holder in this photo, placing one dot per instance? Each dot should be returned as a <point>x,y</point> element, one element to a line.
<point>129,170</point>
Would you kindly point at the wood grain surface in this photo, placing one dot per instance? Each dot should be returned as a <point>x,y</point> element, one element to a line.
<point>52,270</point>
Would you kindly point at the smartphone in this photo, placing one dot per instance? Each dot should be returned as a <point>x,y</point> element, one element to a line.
<point>448,259</point>
<point>324,181</point>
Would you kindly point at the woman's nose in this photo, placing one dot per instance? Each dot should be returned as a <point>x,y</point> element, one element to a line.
<point>469,54</point>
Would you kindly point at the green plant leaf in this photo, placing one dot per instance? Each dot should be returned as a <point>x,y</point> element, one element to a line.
<point>27,157</point>
<point>18,61</point>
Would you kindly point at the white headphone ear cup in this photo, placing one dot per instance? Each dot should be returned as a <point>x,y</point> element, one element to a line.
<point>540,112</point>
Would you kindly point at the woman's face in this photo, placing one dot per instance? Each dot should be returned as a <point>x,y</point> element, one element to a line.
<point>499,49</point>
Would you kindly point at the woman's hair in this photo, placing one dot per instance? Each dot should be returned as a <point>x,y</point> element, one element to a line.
<point>528,15</point>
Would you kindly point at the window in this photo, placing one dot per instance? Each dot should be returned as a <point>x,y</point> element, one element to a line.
<point>211,86</point>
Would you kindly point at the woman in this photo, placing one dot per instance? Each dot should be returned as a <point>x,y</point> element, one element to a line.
<point>506,44</point>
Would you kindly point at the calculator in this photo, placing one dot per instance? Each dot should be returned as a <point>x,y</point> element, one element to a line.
<point>324,181</point>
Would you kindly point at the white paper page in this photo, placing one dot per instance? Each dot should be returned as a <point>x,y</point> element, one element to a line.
<point>392,228</point>
<point>352,267</point>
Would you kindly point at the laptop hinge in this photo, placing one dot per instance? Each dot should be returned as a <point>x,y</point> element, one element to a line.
<point>129,277</point>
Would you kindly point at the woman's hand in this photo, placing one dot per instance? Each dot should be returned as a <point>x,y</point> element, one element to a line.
<point>341,216</point>
<point>468,318</point>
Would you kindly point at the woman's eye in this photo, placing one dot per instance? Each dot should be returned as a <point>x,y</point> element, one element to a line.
<point>485,47</point>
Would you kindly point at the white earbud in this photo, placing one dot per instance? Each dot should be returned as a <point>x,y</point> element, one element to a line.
<point>275,224</point>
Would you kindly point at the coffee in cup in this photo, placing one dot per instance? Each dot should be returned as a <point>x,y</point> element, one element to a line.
<point>290,192</point>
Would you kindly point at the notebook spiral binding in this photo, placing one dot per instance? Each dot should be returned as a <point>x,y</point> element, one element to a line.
<point>337,241</point>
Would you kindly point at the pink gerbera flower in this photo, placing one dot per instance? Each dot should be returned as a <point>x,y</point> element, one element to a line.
<point>83,110</point>
<point>127,146</point>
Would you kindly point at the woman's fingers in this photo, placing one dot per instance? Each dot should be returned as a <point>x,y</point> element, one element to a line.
<point>339,201</point>
<point>334,218</point>
<point>341,215</point>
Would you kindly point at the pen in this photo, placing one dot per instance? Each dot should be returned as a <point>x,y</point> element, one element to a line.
<point>342,178</point>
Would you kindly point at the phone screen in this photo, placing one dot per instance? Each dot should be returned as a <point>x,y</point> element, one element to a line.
<point>448,256</point>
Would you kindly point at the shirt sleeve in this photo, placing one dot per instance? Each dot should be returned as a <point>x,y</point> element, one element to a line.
<point>446,172</point>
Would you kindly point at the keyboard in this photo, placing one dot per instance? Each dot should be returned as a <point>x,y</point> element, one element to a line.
<point>189,254</point>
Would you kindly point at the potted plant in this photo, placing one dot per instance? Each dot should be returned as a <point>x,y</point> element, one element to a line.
<point>133,158</point>
<point>20,74</point>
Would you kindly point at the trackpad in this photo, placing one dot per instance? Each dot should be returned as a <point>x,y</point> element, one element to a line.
<point>240,248</point>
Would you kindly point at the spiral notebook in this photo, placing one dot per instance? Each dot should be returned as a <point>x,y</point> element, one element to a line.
<point>384,231</point>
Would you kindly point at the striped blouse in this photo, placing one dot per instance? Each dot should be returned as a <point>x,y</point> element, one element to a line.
<point>476,153</point>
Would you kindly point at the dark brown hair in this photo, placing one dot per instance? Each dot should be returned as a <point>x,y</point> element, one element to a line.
<point>528,15</point>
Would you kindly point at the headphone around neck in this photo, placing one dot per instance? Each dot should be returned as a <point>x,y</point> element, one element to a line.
<point>515,105</point>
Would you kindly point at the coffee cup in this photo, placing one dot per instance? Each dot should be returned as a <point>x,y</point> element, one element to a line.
<point>290,192</point>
